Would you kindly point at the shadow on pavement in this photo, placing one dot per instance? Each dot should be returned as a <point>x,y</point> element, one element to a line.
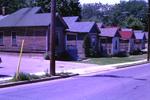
<point>117,76</point>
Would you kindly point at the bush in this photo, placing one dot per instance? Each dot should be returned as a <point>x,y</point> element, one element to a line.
<point>136,52</point>
<point>59,56</point>
<point>63,56</point>
<point>122,54</point>
<point>22,77</point>
<point>89,49</point>
<point>87,46</point>
<point>46,56</point>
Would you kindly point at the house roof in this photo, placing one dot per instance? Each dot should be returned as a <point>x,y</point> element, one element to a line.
<point>81,27</point>
<point>126,34</point>
<point>109,32</point>
<point>28,17</point>
<point>100,25</point>
<point>69,19</point>
<point>139,34</point>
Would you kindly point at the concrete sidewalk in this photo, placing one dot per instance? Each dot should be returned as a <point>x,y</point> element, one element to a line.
<point>36,64</point>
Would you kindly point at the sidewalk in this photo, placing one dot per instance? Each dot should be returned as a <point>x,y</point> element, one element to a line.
<point>93,69</point>
<point>37,65</point>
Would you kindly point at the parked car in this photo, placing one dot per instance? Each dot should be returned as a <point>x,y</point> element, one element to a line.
<point>144,50</point>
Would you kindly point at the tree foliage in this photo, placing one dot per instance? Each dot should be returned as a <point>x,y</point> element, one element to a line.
<point>134,23</point>
<point>115,15</point>
<point>64,7</point>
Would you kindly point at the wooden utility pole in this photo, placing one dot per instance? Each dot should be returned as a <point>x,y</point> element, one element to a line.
<point>52,37</point>
<point>148,53</point>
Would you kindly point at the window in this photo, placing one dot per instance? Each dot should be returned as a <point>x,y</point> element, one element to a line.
<point>14,39</point>
<point>1,38</point>
<point>71,37</point>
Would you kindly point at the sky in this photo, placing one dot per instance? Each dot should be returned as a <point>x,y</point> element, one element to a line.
<point>102,1</point>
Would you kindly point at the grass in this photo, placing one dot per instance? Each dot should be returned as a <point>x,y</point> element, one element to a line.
<point>114,60</point>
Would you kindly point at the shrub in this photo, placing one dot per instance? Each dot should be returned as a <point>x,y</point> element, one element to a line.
<point>22,76</point>
<point>136,52</point>
<point>32,77</point>
<point>87,46</point>
<point>46,56</point>
<point>63,56</point>
<point>25,76</point>
<point>122,54</point>
<point>59,56</point>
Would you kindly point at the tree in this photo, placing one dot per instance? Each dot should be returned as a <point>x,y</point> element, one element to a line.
<point>87,46</point>
<point>115,15</point>
<point>64,7</point>
<point>134,23</point>
<point>12,5</point>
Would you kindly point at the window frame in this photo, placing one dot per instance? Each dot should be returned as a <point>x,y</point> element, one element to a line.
<point>12,38</point>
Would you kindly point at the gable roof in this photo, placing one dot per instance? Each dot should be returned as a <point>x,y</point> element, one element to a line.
<point>126,34</point>
<point>69,19</point>
<point>82,27</point>
<point>109,32</point>
<point>100,25</point>
<point>139,34</point>
<point>28,17</point>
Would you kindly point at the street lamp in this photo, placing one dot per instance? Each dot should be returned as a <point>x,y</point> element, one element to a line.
<point>52,37</point>
<point>148,53</point>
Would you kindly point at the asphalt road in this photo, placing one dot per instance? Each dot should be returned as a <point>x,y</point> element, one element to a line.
<point>128,84</point>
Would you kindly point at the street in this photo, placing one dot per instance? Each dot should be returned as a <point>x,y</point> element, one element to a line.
<point>126,84</point>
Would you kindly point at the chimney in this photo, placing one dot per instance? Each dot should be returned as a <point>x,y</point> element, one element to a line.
<point>3,11</point>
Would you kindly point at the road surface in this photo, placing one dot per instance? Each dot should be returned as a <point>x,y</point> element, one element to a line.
<point>127,84</point>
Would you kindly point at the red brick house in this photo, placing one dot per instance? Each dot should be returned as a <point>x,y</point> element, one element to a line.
<point>127,40</point>
<point>33,26</point>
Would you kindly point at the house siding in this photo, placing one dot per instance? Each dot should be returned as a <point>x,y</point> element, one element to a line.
<point>106,46</point>
<point>36,39</point>
<point>115,45</point>
<point>124,45</point>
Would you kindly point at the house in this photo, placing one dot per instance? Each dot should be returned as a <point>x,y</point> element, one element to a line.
<point>140,39</point>
<point>100,25</point>
<point>146,35</point>
<point>127,40</point>
<point>32,26</point>
<point>109,40</point>
<point>76,33</point>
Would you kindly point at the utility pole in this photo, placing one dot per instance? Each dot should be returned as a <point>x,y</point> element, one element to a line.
<point>148,49</point>
<point>52,37</point>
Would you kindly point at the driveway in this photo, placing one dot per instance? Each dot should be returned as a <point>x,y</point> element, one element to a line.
<point>32,63</point>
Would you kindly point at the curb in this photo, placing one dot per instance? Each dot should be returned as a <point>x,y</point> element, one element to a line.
<point>129,65</point>
<point>11,84</point>
<point>119,67</point>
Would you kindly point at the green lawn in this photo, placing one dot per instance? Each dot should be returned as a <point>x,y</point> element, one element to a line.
<point>114,60</point>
